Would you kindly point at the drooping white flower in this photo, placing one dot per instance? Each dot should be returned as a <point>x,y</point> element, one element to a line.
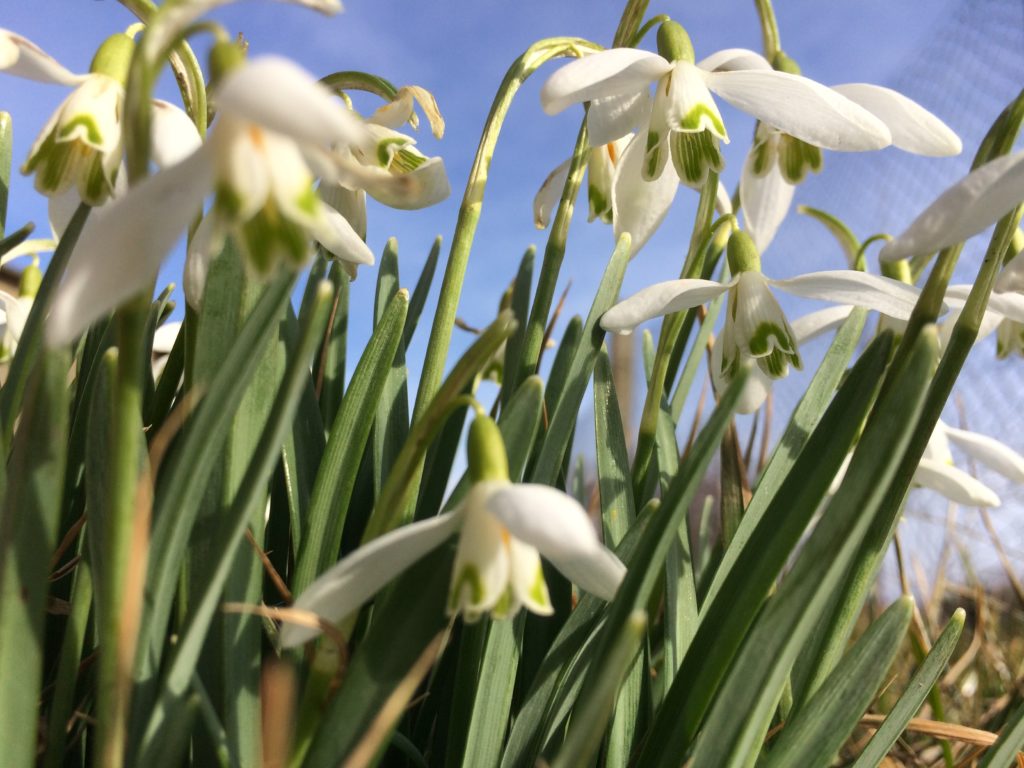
<point>271,113</point>
<point>503,529</point>
<point>81,145</point>
<point>684,122</point>
<point>756,329</point>
<point>778,161</point>
<point>968,207</point>
<point>601,164</point>
<point>938,471</point>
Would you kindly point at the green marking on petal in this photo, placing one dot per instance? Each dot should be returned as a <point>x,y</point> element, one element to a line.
<point>467,578</point>
<point>768,336</point>
<point>502,608</point>
<point>761,157</point>
<point>539,588</point>
<point>227,201</point>
<point>308,202</point>
<point>600,206</point>
<point>796,158</point>
<point>388,147</point>
<point>92,130</point>
<point>406,160</point>
<point>701,117</point>
<point>694,156</point>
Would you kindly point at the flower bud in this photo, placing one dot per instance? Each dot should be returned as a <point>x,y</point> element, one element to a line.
<point>31,278</point>
<point>782,63</point>
<point>487,457</point>
<point>897,270</point>
<point>114,57</point>
<point>742,253</point>
<point>674,43</point>
<point>225,56</point>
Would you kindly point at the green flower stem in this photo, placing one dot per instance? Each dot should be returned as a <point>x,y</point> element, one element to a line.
<point>629,23</point>
<point>139,91</point>
<point>119,610</point>
<point>650,24</point>
<point>769,28</point>
<point>670,328</point>
<point>554,252</point>
<point>472,201</point>
<point>6,139</point>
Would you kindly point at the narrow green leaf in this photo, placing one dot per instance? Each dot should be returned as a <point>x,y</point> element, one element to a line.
<point>756,678</point>
<point>337,474</point>
<point>329,367</point>
<point>520,305</point>
<point>617,510</point>
<point>926,676</point>
<point>6,142</point>
<point>1010,742</point>
<point>178,679</point>
<point>564,355</point>
<point>28,537</point>
<point>589,721</point>
<point>724,619</point>
<point>815,733</point>
<point>419,294</point>
<point>802,424</point>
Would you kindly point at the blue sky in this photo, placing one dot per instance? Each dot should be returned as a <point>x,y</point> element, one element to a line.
<point>961,59</point>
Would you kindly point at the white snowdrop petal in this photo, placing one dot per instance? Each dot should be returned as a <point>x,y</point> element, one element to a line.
<point>731,59</point>
<point>956,485</point>
<point>20,57</point>
<point>765,201</point>
<point>972,204</point>
<point>175,136</point>
<point>990,452</point>
<point>914,128</point>
<point>882,294</point>
<point>549,194</point>
<point>612,117</point>
<point>660,299</point>
<point>639,206</point>
<point>356,578</point>
<point>606,73</point>
<point>802,108</point>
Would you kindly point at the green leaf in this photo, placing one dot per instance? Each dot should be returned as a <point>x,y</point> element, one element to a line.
<point>815,733</point>
<point>1010,742</point>
<point>28,537</point>
<point>185,472</point>
<point>566,407</point>
<point>419,294</point>
<point>802,424</point>
<point>337,474</point>
<point>617,510</point>
<point>724,619</point>
<point>329,367</point>
<point>179,676</point>
<point>589,721</point>
<point>926,676</point>
<point>756,678</point>
<point>520,305</point>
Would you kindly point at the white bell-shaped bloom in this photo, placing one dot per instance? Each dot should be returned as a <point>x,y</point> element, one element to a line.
<point>504,529</point>
<point>601,164</point>
<point>684,122</point>
<point>271,113</point>
<point>756,329</point>
<point>938,471</point>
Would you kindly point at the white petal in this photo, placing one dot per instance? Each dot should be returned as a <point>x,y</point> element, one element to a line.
<point>755,388</point>
<point>349,203</point>
<point>278,94</point>
<point>612,117</point>
<point>23,58</point>
<point>690,107</point>
<point>814,324</point>
<point>660,299</point>
<point>882,294</point>
<point>913,127</point>
<point>723,202</point>
<point>480,576</point>
<point>607,73</point>
<point>639,206</point>
<point>1009,305</point>
<point>206,244</point>
<point>31,247</point>
<point>965,209</point>
<point>337,236</point>
<point>123,244</point>
<point>15,310</point>
<point>397,113</point>
<point>425,186</point>
<point>549,194</point>
<point>1012,276</point>
<point>242,156</point>
<point>759,316</point>
<point>164,338</point>
<point>556,524</point>
<point>345,586</point>
<point>765,201</point>
<point>990,452</point>
<point>802,108</point>
<point>175,136</point>
<point>62,206</point>
<point>732,59</point>
<point>954,484</point>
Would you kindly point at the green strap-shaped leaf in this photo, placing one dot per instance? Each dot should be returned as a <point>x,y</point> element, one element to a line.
<point>520,305</point>
<point>617,511</point>
<point>28,536</point>
<point>1010,742</point>
<point>724,620</point>
<point>815,733</point>
<point>329,367</point>
<point>349,433</point>
<point>756,678</point>
<point>926,676</point>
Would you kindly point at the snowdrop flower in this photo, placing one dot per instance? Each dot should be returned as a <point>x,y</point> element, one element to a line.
<point>271,113</point>
<point>938,472</point>
<point>756,329</point>
<point>503,529</point>
<point>778,161</point>
<point>14,309</point>
<point>601,163</point>
<point>968,207</point>
<point>80,147</point>
<point>684,122</point>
